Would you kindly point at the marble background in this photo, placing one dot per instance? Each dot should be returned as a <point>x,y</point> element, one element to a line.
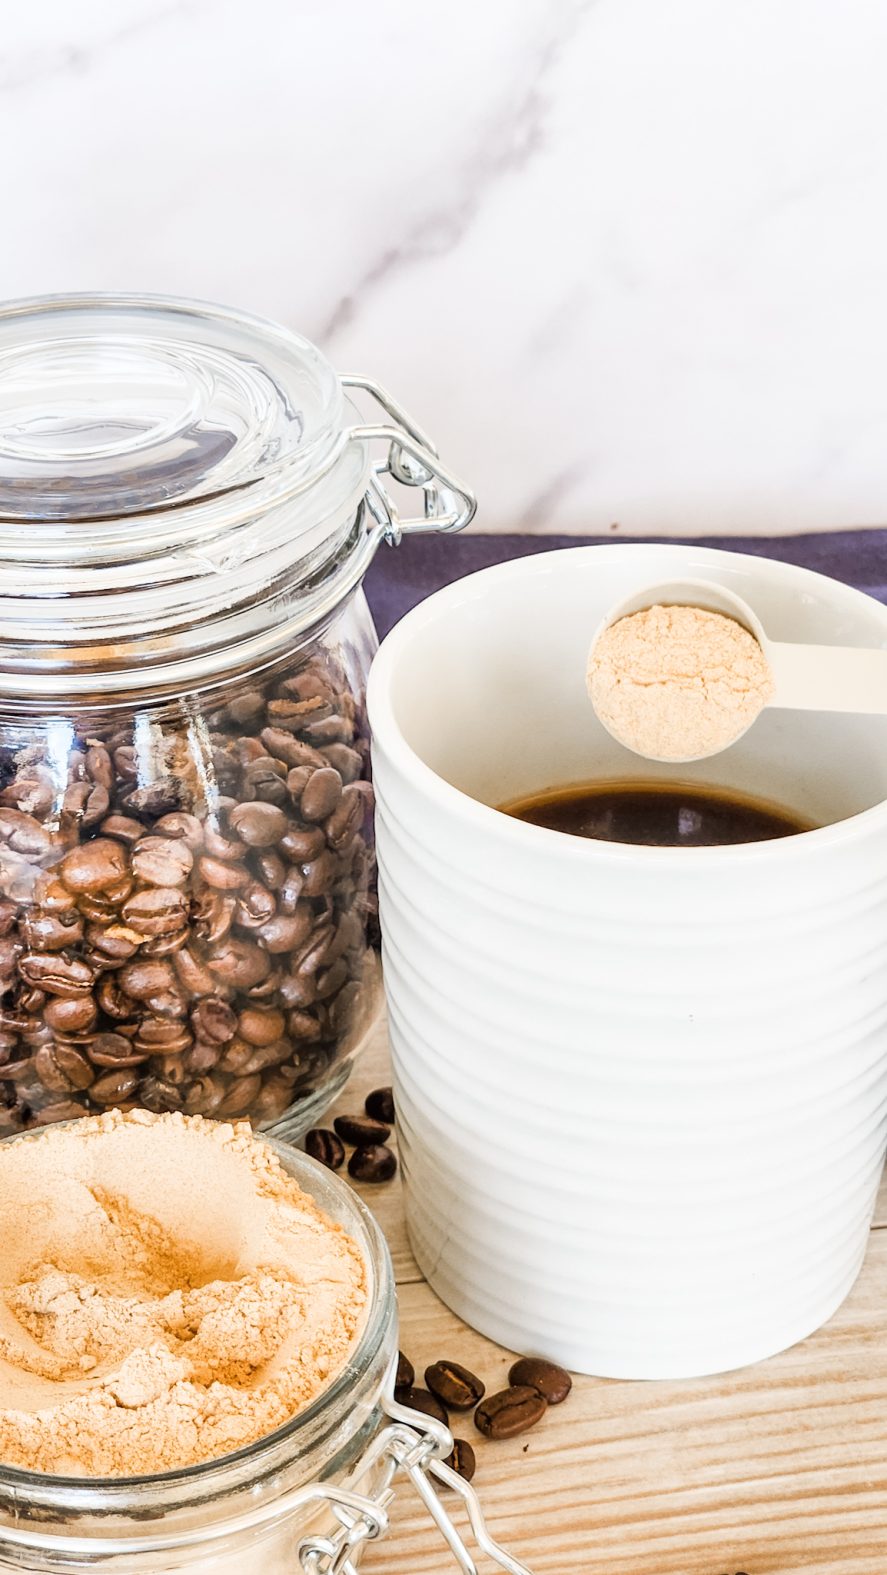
<point>625,259</point>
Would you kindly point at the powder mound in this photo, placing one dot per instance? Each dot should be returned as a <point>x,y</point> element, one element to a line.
<point>678,683</point>
<point>167,1294</point>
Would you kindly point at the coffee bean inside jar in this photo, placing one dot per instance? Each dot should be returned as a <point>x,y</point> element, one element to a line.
<point>188,918</point>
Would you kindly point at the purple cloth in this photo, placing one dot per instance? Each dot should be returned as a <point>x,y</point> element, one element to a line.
<point>402,576</point>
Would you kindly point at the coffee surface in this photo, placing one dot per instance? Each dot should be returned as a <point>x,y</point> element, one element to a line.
<point>661,815</point>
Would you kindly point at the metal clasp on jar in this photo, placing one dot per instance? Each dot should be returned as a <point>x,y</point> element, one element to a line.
<point>412,1446</point>
<point>410,458</point>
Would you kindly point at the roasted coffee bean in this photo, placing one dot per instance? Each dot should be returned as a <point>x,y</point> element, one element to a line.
<point>24,833</point>
<point>294,715</point>
<point>202,1057</point>
<point>158,910</point>
<point>376,1163</point>
<point>52,932</point>
<point>319,875</point>
<point>239,964</point>
<point>123,828</point>
<point>111,943</point>
<point>194,978</point>
<point>112,999</point>
<point>260,1026</point>
<point>299,843</point>
<point>509,1412</point>
<point>270,868</point>
<point>345,820</point>
<point>314,953</point>
<point>142,979</point>
<point>243,708</point>
<point>346,761</point>
<point>159,1096</point>
<point>213,915</point>
<point>95,866</point>
<point>221,876</point>
<point>156,798</point>
<point>75,1066</point>
<point>255,907</point>
<point>259,824</point>
<point>114,1088</point>
<point>361,1130</point>
<point>182,828</point>
<point>162,861</point>
<point>379,1105</point>
<point>283,746</point>
<point>303,1026</point>
<point>214,1020</point>
<point>321,794</point>
<point>428,1404</point>
<point>552,1382</point>
<point>162,1035</point>
<point>462,1459</point>
<point>114,1050</point>
<point>50,1073</point>
<point>285,931</point>
<point>323,1146</point>
<point>228,849</point>
<point>57,973</point>
<point>239,1097</point>
<point>71,1015</point>
<point>455,1386</point>
<point>405,1376</point>
<point>203,1096</point>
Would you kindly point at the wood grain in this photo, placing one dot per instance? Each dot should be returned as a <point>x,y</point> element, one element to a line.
<point>779,1468</point>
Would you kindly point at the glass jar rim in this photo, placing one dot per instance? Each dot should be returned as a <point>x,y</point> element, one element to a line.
<point>191,1487</point>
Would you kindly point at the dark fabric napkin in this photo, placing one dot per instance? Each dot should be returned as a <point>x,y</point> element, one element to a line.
<point>402,576</point>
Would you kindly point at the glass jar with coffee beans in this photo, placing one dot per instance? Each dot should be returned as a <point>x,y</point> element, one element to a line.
<point>188,502</point>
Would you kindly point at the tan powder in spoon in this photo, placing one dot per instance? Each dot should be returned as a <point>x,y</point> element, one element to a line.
<point>678,683</point>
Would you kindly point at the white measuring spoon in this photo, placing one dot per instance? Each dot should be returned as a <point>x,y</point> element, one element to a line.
<point>846,678</point>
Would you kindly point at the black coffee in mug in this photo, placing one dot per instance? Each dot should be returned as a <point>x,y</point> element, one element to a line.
<point>657,814</point>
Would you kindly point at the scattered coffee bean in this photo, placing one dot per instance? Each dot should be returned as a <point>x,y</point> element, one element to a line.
<point>326,1148</point>
<point>361,1130</point>
<point>405,1377</point>
<point>375,1163</point>
<point>509,1412</point>
<point>551,1381</point>
<point>380,1105</point>
<point>421,1400</point>
<point>462,1460</point>
<point>456,1386</point>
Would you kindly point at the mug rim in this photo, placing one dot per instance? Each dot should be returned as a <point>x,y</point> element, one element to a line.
<point>387,734</point>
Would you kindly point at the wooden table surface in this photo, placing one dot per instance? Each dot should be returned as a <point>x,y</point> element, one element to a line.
<point>777,1468</point>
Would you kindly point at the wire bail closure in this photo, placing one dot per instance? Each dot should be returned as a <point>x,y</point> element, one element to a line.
<point>411,459</point>
<point>413,1445</point>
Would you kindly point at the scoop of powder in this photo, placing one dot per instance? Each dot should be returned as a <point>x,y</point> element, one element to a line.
<point>678,683</point>
<point>167,1294</point>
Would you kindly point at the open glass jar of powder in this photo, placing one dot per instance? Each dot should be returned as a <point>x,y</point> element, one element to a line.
<point>307,1496</point>
<point>188,502</point>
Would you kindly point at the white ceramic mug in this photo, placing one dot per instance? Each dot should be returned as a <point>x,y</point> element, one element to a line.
<point>641,1091</point>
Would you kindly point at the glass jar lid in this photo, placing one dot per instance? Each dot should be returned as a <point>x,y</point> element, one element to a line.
<point>183,491</point>
<point>113,406</point>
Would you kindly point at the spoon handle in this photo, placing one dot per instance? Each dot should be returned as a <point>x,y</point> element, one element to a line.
<point>828,678</point>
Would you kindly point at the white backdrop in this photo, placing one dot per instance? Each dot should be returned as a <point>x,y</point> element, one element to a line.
<point>625,259</point>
